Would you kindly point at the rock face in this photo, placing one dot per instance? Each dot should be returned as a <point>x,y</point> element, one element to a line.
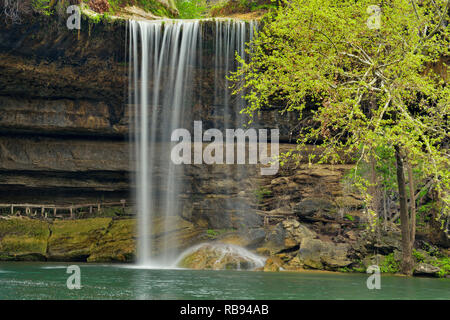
<point>23,239</point>
<point>70,242</point>
<point>314,207</point>
<point>424,269</point>
<point>318,254</point>
<point>64,113</point>
<point>220,257</point>
<point>91,240</point>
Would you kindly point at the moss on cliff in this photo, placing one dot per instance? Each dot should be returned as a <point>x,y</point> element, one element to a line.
<point>93,240</point>
<point>73,240</point>
<point>242,9</point>
<point>162,8</point>
<point>23,239</point>
<point>117,244</point>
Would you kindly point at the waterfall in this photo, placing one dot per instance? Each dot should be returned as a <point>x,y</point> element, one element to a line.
<point>166,67</point>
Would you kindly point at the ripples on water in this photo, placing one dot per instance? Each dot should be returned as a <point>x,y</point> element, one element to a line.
<point>48,281</point>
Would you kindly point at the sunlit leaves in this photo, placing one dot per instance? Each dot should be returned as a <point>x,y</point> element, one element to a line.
<point>371,87</point>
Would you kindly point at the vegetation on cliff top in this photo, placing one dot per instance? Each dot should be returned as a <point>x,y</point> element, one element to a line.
<point>181,9</point>
<point>242,7</point>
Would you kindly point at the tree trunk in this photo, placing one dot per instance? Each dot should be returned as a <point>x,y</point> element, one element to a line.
<point>412,196</point>
<point>373,189</point>
<point>407,264</point>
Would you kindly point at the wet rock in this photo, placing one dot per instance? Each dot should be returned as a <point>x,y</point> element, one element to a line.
<point>223,212</point>
<point>351,235</point>
<point>377,259</point>
<point>273,264</point>
<point>384,243</point>
<point>349,202</point>
<point>256,237</point>
<point>117,245</point>
<point>279,181</point>
<point>339,239</point>
<point>318,254</point>
<point>249,238</point>
<point>263,251</point>
<point>23,239</point>
<point>323,171</point>
<point>424,269</point>
<point>275,237</point>
<point>287,235</point>
<point>173,235</point>
<point>332,229</point>
<point>294,264</point>
<point>310,207</point>
<point>297,231</point>
<point>72,240</point>
<point>218,256</point>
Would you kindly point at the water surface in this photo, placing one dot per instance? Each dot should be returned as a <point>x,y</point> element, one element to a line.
<point>48,281</point>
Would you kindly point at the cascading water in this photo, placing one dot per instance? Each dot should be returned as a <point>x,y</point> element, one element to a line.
<point>165,68</point>
<point>230,38</point>
<point>225,256</point>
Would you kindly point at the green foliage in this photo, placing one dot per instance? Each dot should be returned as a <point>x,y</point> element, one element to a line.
<point>255,5</point>
<point>262,193</point>
<point>359,269</point>
<point>95,18</point>
<point>432,250</point>
<point>420,257</point>
<point>214,233</point>
<point>191,9</point>
<point>349,217</point>
<point>435,259</point>
<point>390,265</point>
<point>344,269</point>
<point>152,6</point>
<point>426,208</point>
<point>363,91</point>
<point>42,6</point>
<point>444,264</point>
<point>20,236</point>
<point>242,6</point>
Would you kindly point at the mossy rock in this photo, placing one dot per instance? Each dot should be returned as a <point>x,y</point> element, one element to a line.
<point>23,239</point>
<point>73,240</point>
<point>219,256</point>
<point>117,244</point>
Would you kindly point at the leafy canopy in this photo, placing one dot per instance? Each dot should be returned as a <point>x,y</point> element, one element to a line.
<point>371,87</point>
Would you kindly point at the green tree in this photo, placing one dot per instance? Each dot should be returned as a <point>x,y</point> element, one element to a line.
<point>369,71</point>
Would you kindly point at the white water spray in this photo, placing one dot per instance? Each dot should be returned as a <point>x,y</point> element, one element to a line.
<point>225,254</point>
<point>165,61</point>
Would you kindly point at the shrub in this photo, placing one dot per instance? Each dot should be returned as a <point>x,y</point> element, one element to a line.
<point>390,265</point>
<point>191,9</point>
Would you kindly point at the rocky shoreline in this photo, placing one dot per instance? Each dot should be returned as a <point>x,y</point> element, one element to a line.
<point>288,246</point>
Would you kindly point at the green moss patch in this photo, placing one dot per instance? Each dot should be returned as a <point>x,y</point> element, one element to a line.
<point>73,239</point>
<point>23,239</point>
<point>118,244</point>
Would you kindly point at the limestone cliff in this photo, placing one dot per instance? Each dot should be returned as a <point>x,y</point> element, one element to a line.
<point>64,137</point>
<point>63,108</point>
